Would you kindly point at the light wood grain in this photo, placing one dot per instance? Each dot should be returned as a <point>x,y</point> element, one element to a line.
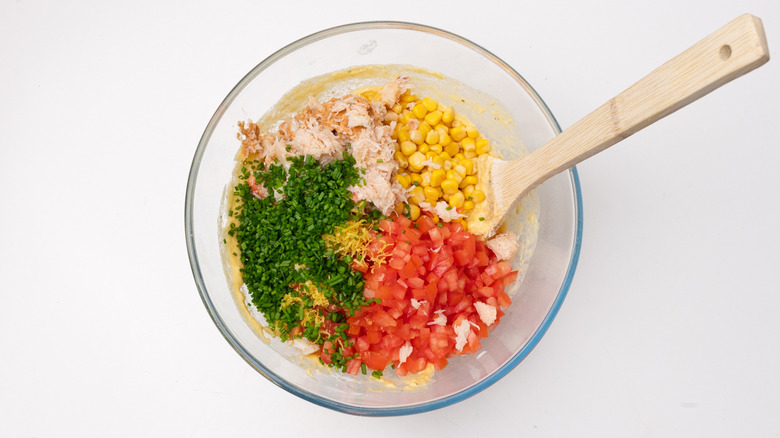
<point>731,51</point>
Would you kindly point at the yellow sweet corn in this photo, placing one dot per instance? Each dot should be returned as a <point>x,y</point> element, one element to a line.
<point>447,115</point>
<point>437,176</point>
<point>404,179</point>
<point>482,146</point>
<point>430,104</point>
<point>416,196</point>
<point>417,136</point>
<point>414,212</point>
<point>408,147</point>
<point>433,117</point>
<point>419,110</point>
<point>458,133</point>
<point>432,137</point>
<point>449,186</point>
<point>454,175</point>
<point>403,163</point>
<point>416,160</point>
<point>457,199</point>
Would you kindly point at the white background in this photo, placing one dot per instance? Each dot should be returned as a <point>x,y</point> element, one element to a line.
<point>669,329</point>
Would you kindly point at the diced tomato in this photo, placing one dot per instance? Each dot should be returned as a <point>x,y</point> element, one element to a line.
<point>362,344</point>
<point>462,257</point>
<point>415,282</point>
<point>374,360</point>
<point>353,366</point>
<point>432,269</point>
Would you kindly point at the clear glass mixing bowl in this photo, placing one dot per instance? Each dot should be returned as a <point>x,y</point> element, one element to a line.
<point>504,107</point>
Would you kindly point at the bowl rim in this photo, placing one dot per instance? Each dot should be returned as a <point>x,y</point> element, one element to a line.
<point>269,374</point>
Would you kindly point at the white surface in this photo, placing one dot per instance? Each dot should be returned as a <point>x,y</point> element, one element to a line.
<point>669,328</point>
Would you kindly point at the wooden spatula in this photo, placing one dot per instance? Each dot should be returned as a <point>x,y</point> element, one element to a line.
<point>731,51</point>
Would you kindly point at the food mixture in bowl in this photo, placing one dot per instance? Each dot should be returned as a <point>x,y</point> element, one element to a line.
<point>356,234</point>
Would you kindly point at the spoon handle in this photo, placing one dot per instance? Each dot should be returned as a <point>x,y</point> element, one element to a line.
<point>731,51</point>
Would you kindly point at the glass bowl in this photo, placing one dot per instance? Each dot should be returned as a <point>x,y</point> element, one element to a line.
<point>502,105</point>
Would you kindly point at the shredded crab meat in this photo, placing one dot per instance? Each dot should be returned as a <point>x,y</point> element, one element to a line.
<point>442,209</point>
<point>462,332</point>
<point>486,312</point>
<point>326,130</point>
<point>439,319</point>
<point>404,352</point>
<point>504,246</point>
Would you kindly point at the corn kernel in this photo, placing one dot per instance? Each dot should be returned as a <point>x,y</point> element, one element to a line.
<point>432,194</point>
<point>408,97</point>
<point>464,224</point>
<point>457,199</point>
<point>472,132</point>
<point>468,191</point>
<point>430,155</point>
<point>399,208</point>
<point>415,161</point>
<point>404,180</point>
<point>461,170</point>
<point>416,179</point>
<point>444,139</point>
<point>417,136</point>
<point>414,212</point>
<point>433,117</point>
<point>447,165</point>
<point>426,178</point>
<point>401,159</point>
<point>478,195</point>
<point>425,128</point>
<point>437,176</point>
<point>398,108</point>
<point>408,148</point>
<point>447,115</point>
<point>454,175</point>
<point>424,148</point>
<point>449,186</point>
<point>432,137</point>
<point>469,165</point>
<point>446,197</point>
<point>468,144</point>
<point>468,205</point>
<point>468,181</point>
<point>435,218</point>
<point>452,148</point>
<point>458,133</point>
<point>403,119</point>
<point>445,156</point>
<point>482,146</point>
<point>436,148</point>
<point>416,196</point>
<point>403,134</point>
<point>419,110</point>
<point>430,104</point>
<point>471,154</point>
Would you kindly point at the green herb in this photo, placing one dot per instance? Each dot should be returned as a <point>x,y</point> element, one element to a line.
<point>279,238</point>
<point>482,218</point>
<point>377,374</point>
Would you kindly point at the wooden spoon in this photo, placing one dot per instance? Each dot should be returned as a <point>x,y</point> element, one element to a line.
<point>731,51</point>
